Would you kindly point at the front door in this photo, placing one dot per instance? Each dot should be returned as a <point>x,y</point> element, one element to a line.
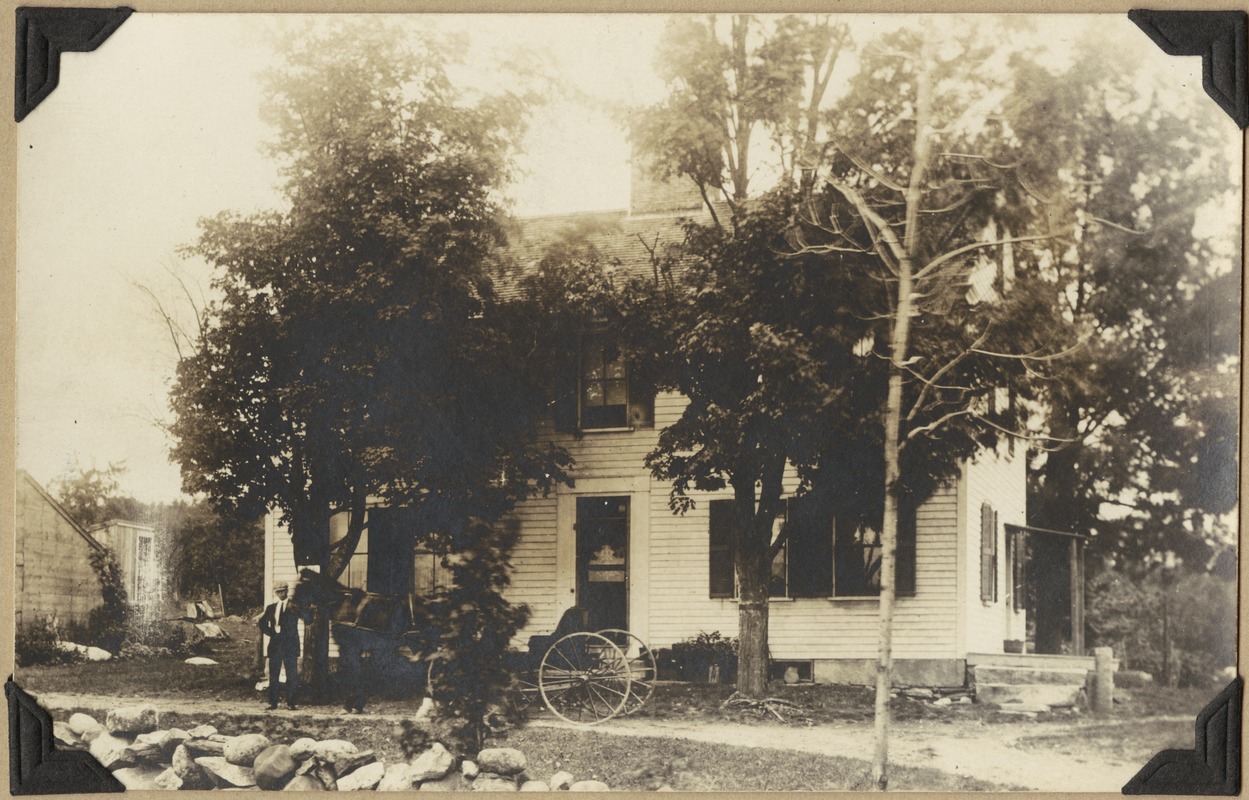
<point>603,560</point>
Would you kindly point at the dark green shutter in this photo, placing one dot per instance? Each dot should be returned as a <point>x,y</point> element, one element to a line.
<point>988,553</point>
<point>564,400</point>
<point>641,403</point>
<point>904,565</point>
<point>720,545</point>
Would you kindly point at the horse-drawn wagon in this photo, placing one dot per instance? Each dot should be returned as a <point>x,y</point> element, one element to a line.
<point>579,675</point>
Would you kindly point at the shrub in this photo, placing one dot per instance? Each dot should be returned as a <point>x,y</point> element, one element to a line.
<point>477,625</point>
<point>107,624</point>
<point>36,644</point>
<point>696,655</point>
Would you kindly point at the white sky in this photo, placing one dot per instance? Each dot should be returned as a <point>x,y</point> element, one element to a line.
<point>160,127</point>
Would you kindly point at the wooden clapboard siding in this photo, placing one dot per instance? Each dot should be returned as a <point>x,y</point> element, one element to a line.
<point>53,578</point>
<point>806,628</point>
<point>533,565</point>
<point>999,478</point>
<point>280,566</point>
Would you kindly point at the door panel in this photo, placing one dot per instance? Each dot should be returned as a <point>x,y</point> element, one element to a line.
<point>602,560</point>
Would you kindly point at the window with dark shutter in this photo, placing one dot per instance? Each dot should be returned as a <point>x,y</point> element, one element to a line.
<point>988,553</point>
<point>721,528</point>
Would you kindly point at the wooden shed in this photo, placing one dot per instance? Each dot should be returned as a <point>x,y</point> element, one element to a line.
<point>53,576</point>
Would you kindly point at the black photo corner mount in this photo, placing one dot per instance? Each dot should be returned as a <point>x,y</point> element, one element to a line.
<point>1219,37</point>
<point>1212,767</point>
<point>36,766</point>
<point>43,34</point>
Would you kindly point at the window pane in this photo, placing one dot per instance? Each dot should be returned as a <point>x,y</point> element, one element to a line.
<point>617,393</point>
<point>423,582</point>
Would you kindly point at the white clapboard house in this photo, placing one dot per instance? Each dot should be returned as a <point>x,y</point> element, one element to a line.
<point>611,544</point>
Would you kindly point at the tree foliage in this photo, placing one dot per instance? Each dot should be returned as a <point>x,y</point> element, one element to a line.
<point>354,352</point>
<point>205,550</point>
<point>93,496</point>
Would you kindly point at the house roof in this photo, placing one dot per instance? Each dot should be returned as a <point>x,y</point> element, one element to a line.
<point>626,241</point>
<point>60,509</point>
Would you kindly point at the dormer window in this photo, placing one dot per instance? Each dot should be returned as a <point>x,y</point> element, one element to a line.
<point>603,384</point>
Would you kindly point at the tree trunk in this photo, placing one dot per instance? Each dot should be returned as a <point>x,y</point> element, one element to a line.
<point>310,533</point>
<point>752,648</point>
<point>899,343</point>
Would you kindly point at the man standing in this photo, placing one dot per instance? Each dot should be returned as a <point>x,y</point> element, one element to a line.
<point>280,623</point>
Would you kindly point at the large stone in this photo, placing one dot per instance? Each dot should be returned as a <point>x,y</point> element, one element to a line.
<point>534,786</point>
<point>200,661</point>
<point>328,748</point>
<point>211,630</point>
<point>176,737</point>
<point>301,749</point>
<point>225,774</point>
<point>589,786</point>
<point>397,778</point>
<point>492,783</point>
<point>202,731</point>
<point>433,764</point>
<point>108,750</point>
<point>365,777</point>
<point>205,747</point>
<point>303,783</point>
<point>469,769</point>
<point>65,736</point>
<point>168,780</point>
<point>143,752</point>
<point>138,778</point>
<point>560,781</point>
<point>85,726</point>
<point>502,760</point>
<point>1032,694</point>
<point>133,719</point>
<point>318,768</point>
<point>97,654</point>
<point>345,763</point>
<point>242,750</point>
<point>274,766</point>
<point>183,763</point>
<point>453,782</point>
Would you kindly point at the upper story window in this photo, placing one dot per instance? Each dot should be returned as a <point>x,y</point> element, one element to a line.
<point>596,390</point>
<point>603,384</point>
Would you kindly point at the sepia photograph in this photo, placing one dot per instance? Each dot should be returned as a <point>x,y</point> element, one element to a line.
<point>627,402</point>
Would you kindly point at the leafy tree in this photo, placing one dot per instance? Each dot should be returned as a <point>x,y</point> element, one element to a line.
<point>741,331</point>
<point>205,549</point>
<point>352,353</point>
<point>92,496</point>
<point>1149,405</point>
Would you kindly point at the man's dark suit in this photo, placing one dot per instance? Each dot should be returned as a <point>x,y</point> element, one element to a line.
<point>283,649</point>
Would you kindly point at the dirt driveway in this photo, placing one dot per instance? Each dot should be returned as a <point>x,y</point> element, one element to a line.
<point>1054,757</point>
<point>1084,756</point>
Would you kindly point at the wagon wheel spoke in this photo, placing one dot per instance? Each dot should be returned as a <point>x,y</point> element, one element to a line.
<point>584,678</point>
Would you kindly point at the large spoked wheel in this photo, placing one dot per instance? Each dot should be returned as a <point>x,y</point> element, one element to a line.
<point>523,692</point>
<point>584,679</point>
<point>642,667</point>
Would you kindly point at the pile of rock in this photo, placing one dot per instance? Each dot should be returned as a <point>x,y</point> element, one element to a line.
<point>142,755</point>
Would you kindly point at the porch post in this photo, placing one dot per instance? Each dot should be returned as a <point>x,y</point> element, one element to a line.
<point>1076,549</point>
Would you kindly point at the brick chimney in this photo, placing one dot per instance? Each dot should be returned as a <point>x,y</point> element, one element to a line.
<point>651,195</point>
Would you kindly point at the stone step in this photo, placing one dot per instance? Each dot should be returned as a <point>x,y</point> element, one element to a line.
<point>998,674</point>
<point>1033,694</point>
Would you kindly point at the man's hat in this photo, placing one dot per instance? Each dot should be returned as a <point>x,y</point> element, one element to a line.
<point>281,586</point>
